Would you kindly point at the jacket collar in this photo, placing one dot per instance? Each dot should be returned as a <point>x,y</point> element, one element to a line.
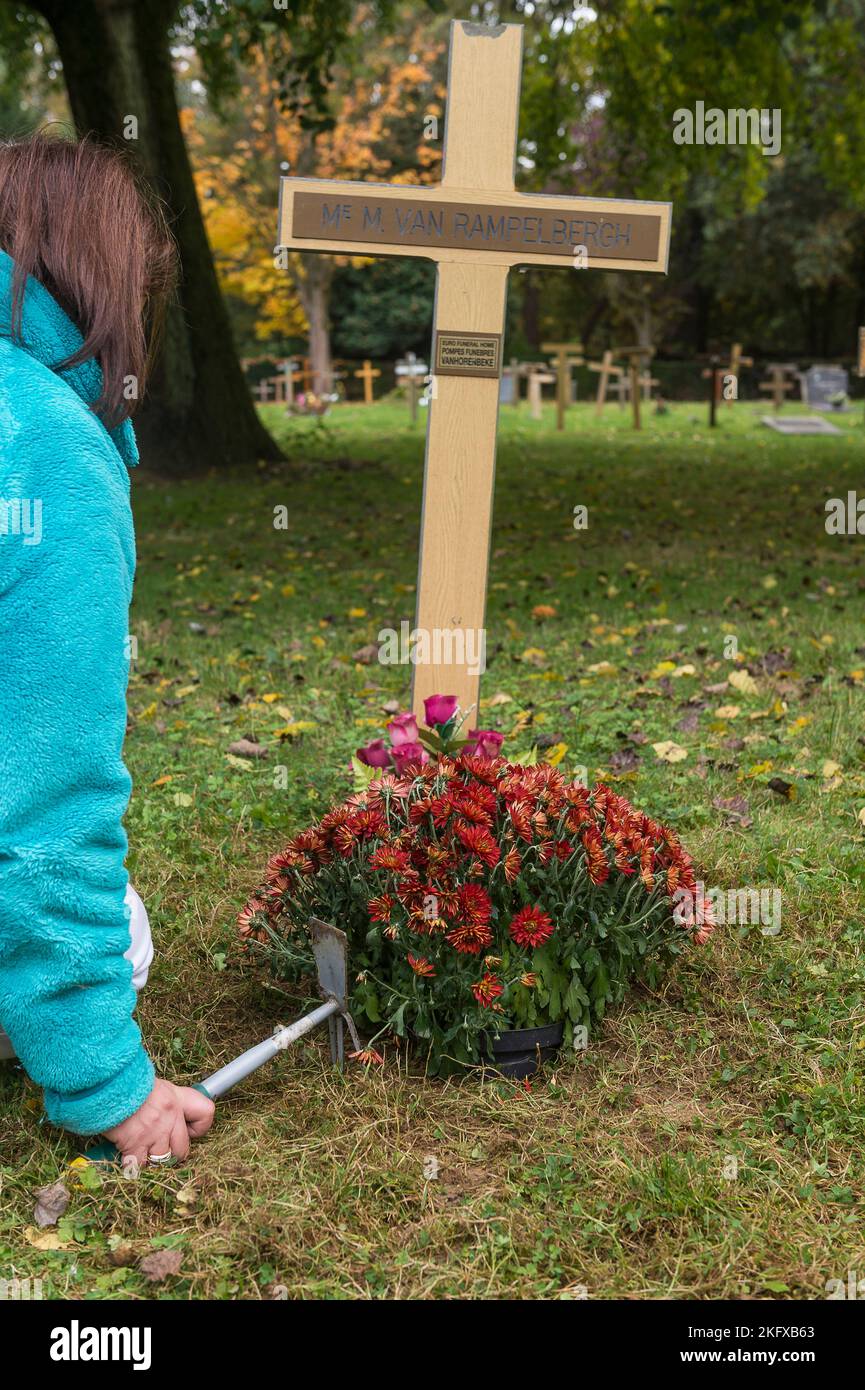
<point>49,335</point>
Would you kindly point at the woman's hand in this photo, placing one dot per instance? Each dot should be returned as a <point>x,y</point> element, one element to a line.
<point>164,1124</point>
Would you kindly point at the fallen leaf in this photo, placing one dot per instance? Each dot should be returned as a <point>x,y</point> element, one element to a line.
<point>735,810</point>
<point>161,1264</point>
<point>624,760</point>
<point>51,1203</point>
<point>689,723</point>
<point>670,752</point>
<point>500,698</point>
<point>245,748</point>
<point>744,681</point>
<point>46,1240</point>
<point>543,610</point>
<point>782,788</point>
<point>830,768</point>
<point>728,712</point>
<point>366,655</point>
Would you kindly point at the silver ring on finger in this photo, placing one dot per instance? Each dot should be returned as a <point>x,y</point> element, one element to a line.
<point>160,1158</point>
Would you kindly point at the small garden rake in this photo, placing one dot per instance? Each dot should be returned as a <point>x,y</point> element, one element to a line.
<point>330,949</point>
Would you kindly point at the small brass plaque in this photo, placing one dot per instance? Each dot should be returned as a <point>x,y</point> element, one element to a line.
<point>467,354</point>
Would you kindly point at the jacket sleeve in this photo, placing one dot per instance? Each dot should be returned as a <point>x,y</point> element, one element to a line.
<point>66,997</point>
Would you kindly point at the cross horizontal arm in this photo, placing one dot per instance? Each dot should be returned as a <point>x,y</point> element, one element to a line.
<point>454,224</point>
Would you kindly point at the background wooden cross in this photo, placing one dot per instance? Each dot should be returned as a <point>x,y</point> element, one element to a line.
<point>607,368</point>
<point>779,381</point>
<point>638,358</point>
<point>413,372</point>
<point>537,379</point>
<point>566,355</point>
<point>368,372</point>
<point>475,226</point>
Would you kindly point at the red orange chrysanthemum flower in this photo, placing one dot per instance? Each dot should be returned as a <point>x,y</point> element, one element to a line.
<point>531,927</point>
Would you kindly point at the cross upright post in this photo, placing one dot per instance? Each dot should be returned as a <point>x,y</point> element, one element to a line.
<point>475,226</point>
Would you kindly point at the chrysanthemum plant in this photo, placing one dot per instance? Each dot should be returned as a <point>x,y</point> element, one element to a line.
<point>478,895</point>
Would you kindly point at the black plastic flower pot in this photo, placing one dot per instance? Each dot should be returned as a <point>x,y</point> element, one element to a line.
<point>519,1052</point>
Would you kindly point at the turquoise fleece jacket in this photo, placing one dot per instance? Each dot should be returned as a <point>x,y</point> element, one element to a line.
<point>67,560</point>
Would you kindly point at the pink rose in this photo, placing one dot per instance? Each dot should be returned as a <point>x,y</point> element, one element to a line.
<point>486,743</point>
<point>408,753</point>
<point>375,754</point>
<point>402,729</point>
<point>439,709</point>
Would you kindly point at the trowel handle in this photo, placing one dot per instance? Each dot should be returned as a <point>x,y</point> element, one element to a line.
<point>237,1070</point>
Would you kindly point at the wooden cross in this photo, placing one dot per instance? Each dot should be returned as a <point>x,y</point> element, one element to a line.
<point>263,389</point>
<point>647,381</point>
<point>475,226</point>
<point>414,373</point>
<point>368,372</point>
<point>607,368</point>
<point>636,356</point>
<point>537,379</point>
<point>779,381</point>
<point>566,355</point>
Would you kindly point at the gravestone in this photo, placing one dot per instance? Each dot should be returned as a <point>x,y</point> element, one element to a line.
<point>475,226</point>
<point>820,384</point>
<point>800,424</point>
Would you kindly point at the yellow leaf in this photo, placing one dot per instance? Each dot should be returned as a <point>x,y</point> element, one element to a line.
<point>500,698</point>
<point>663,668</point>
<point>149,712</point>
<point>162,781</point>
<point>728,711</point>
<point>245,763</point>
<point>687,670</point>
<point>46,1240</point>
<point>555,754</point>
<point>770,582</point>
<point>861,816</point>
<point>830,768</point>
<point>670,752</point>
<point>288,591</point>
<point>742,680</point>
<point>269,699</point>
<point>318,642</point>
<point>357,612</point>
<point>185,690</point>
<point>602,668</point>
<point>301,726</point>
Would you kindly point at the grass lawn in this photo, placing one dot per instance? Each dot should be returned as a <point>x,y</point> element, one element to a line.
<point>709,1143</point>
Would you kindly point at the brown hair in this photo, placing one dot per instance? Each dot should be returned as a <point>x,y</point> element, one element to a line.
<point>74,215</point>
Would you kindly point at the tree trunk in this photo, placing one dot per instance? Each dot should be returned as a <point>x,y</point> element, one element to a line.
<point>314,289</point>
<point>198,412</point>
